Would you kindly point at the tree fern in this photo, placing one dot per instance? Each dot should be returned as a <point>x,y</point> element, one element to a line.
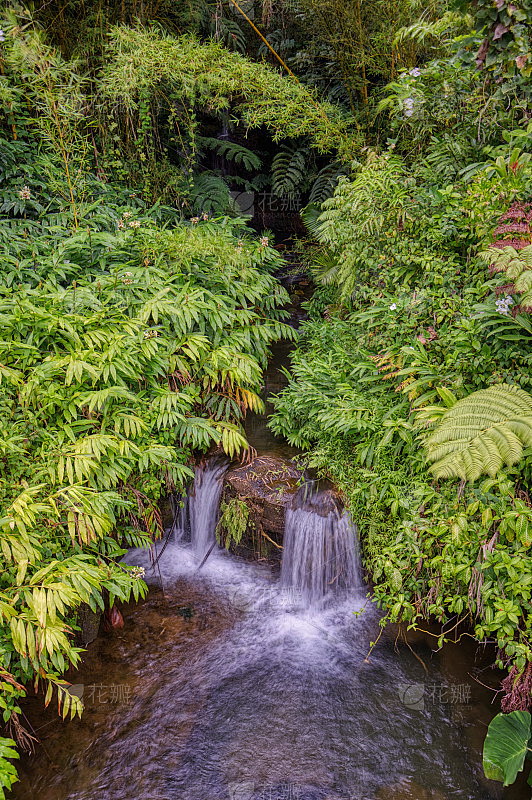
<point>479,434</point>
<point>325,181</point>
<point>209,193</point>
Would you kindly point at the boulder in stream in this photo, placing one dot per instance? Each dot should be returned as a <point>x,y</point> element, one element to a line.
<point>267,485</point>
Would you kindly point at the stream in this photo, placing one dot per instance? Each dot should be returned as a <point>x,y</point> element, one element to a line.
<point>234,682</point>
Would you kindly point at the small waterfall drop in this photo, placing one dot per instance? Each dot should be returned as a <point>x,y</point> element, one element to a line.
<point>180,531</point>
<point>203,503</point>
<point>250,695</point>
<point>320,547</point>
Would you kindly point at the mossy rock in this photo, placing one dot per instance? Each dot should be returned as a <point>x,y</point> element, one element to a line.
<point>267,484</point>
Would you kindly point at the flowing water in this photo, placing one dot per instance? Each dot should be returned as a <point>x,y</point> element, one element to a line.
<point>229,683</point>
<point>320,547</point>
<point>203,505</point>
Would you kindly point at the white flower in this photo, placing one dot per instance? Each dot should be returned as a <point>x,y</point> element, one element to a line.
<point>393,306</point>
<point>264,241</point>
<point>503,304</point>
<point>408,105</point>
<point>25,193</point>
<point>134,223</point>
<point>2,35</point>
<point>138,572</point>
<point>121,225</point>
<point>127,214</point>
<point>194,220</point>
<point>149,334</point>
<point>205,217</point>
<point>415,73</point>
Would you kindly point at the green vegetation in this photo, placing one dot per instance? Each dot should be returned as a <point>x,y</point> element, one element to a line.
<point>233,522</point>
<point>137,306</point>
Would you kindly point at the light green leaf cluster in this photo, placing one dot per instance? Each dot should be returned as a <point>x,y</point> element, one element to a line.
<point>479,434</point>
<point>209,76</point>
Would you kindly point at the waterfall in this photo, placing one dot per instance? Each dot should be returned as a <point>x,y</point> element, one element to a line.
<point>180,531</point>
<point>203,504</point>
<point>320,547</point>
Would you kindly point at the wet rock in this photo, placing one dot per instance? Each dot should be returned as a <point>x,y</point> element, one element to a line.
<point>89,624</point>
<point>166,508</point>
<point>267,485</point>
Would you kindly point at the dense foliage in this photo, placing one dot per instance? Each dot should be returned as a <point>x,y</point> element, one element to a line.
<point>137,307</point>
<point>415,363</point>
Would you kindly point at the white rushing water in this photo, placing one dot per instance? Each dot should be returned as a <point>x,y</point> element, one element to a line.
<point>196,518</point>
<point>320,553</point>
<point>284,704</point>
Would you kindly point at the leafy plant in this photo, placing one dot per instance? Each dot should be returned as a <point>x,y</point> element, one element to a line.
<point>506,746</point>
<point>233,522</point>
<point>478,434</point>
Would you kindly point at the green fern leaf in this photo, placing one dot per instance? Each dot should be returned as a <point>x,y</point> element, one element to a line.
<point>481,433</point>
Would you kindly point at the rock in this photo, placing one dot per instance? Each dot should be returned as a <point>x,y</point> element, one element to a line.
<point>166,509</point>
<point>267,485</point>
<point>89,623</point>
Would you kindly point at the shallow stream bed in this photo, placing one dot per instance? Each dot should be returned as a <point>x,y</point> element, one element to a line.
<point>226,687</point>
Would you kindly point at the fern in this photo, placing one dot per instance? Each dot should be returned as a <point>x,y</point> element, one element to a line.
<point>289,168</point>
<point>210,194</point>
<point>478,434</point>
<point>517,266</point>
<point>232,151</point>
<point>437,31</point>
<point>325,182</point>
<point>233,522</point>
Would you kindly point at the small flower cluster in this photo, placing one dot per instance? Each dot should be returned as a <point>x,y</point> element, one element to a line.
<point>138,572</point>
<point>194,220</point>
<point>150,334</point>
<point>123,222</point>
<point>127,278</point>
<point>415,73</point>
<point>2,35</point>
<point>408,106</point>
<point>240,246</point>
<point>503,304</point>
<point>205,216</point>
<point>25,193</point>
<point>264,241</point>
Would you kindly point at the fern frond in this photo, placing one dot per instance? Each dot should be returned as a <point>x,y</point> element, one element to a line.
<point>289,170</point>
<point>481,433</point>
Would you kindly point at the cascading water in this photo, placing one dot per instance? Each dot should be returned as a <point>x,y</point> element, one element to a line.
<point>180,531</point>
<point>249,697</point>
<point>320,547</point>
<point>203,504</point>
